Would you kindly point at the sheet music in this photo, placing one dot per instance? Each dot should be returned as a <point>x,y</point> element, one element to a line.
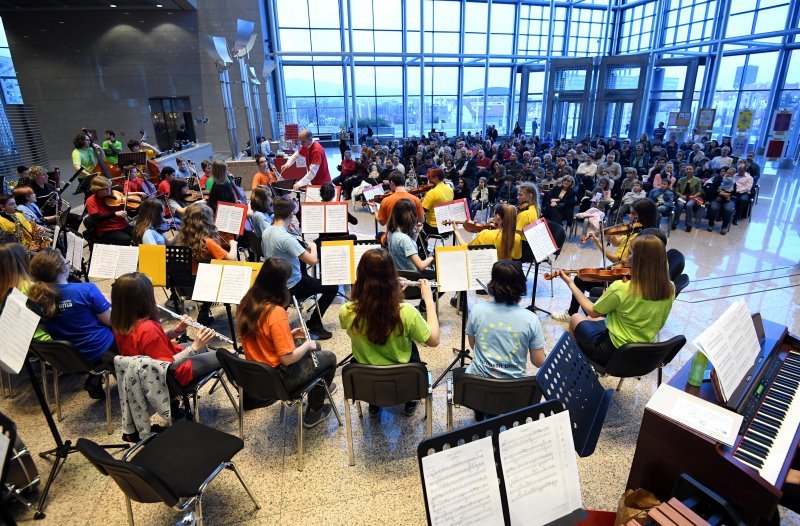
<point>480,263</point>
<point>359,249</point>
<point>693,412</point>
<point>234,284</point>
<point>540,240</point>
<point>461,485</point>
<point>312,218</point>
<point>442,213</point>
<point>371,191</point>
<point>75,250</point>
<point>451,269</point>
<point>313,194</point>
<point>336,263</point>
<point>731,345</point>
<point>229,218</point>
<point>540,470</point>
<point>206,285</point>
<point>104,261</point>
<point>459,211</point>
<point>17,324</point>
<point>127,260</point>
<point>336,218</point>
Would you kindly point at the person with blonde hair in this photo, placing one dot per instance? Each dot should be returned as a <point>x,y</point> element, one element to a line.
<point>504,236</point>
<point>631,311</point>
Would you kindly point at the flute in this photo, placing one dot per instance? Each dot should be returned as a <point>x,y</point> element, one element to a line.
<point>409,283</point>
<point>305,329</point>
<point>191,323</point>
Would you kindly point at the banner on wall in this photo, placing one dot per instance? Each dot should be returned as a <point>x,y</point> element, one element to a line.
<point>292,132</point>
<point>781,122</point>
<point>679,119</point>
<point>739,145</point>
<point>705,119</point>
<point>775,149</point>
<point>744,120</point>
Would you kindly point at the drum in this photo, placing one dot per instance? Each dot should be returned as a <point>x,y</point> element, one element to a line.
<point>23,477</point>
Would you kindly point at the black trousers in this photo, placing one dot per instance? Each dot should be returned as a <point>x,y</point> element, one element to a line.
<point>309,286</point>
<point>117,237</point>
<point>584,286</point>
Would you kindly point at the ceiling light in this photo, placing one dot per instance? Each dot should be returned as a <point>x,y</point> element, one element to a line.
<point>112,5</point>
<point>159,5</point>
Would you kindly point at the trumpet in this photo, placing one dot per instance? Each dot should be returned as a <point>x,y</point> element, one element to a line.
<point>409,283</point>
<point>191,323</point>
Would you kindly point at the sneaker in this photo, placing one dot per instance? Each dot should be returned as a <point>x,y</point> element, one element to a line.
<point>735,221</point>
<point>373,410</point>
<point>133,438</point>
<point>313,418</point>
<point>94,386</point>
<point>320,332</point>
<point>688,228</point>
<point>710,228</point>
<point>723,231</point>
<point>411,407</point>
<point>562,316</point>
<point>454,301</point>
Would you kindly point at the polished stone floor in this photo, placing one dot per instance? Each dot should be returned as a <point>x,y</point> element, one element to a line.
<point>757,261</point>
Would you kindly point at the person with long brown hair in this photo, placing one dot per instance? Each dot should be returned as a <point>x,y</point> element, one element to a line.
<point>74,312</point>
<point>382,328</point>
<point>14,264</point>
<point>401,239</point>
<point>267,337</point>
<point>504,236</point>
<point>148,221</point>
<point>138,331</point>
<point>628,311</point>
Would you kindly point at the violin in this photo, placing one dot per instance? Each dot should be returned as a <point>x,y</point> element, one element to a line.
<point>471,226</point>
<point>596,274</point>
<point>117,198</point>
<point>616,230</point>
<point>421,189</point>
<point>193,196</point>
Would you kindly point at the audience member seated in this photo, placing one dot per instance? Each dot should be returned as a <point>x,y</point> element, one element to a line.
<point>663,197</point>
<point>629,199</point>
<point>743,184</point>
<point>719,197</point>
<point>688,196</point>
<point>559,204</point>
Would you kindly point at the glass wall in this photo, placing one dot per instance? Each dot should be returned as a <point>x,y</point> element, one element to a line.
<point>8,76</point>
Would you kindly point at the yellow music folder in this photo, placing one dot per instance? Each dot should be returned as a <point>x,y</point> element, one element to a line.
<point>256,267</point>
<point>153,263</point>
<point>336,262</point>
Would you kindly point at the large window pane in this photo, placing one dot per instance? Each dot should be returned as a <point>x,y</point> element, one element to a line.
<point>325,40</point>
<point>328,81</point>
<point>388,81</point>
<point>502,18</point>
<point>298,81</point>
<point>387,14</point>
<point>295,40</point>
<point>322,13</point>
<point>474,80</point>
<point>290,14</point>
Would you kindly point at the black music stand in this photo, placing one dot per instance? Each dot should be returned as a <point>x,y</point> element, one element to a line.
<point>493,427</point>
<point>136,158</point>
<point>566,375</point>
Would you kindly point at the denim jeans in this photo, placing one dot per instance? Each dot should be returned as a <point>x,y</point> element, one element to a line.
<point>725,209</point>
<point>690,207</point>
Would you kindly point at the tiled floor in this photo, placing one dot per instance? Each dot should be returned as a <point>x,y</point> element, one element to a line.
<point>757,260</point>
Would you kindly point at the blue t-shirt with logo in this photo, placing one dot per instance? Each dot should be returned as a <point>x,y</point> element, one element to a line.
<point>503,335</point>
<point>77,322</point>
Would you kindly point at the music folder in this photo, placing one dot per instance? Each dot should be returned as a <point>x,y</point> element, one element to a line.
<point>540,239</point>
<point>339,260</point>
<point>460,267</point>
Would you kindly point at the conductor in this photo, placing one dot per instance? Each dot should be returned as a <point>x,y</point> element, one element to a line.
<point>316,161</point>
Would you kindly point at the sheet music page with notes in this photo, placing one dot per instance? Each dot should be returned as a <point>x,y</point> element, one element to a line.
<point>104,261</point>
<point>461,485</point>
<point>231,218</point>
<point>336,261</point>
<point>442,213</point>
<point>371,191</point>
<point>313,194</point>
<point>451,268</point>
<point>540,239</point>
<point>312,218</point>
<point>74,250</point>
<point>480,264</point>
<point>17,324</point>
<point>731,345</point>
<point>234,284</point>
<point>336,218</point>
<point>206,285</point>
<point>127,261</point>
<point>359,249</point>
<point>540,470</point>
<point>459,211</point>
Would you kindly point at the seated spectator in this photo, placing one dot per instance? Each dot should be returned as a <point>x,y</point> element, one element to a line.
<point>663,197</point>
<point>743,184</point>
<point>559,203</point>
<point>507,193</point>
<point>719,195</point>
<point>628,200</point>
<point>688,196</point>
<point>723,160</point>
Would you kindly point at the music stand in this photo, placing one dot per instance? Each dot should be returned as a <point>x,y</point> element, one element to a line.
<point>129,158</point>
<point>493,427</point>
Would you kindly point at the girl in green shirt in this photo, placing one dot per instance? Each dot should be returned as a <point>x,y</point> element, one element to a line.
<point>634,310</point>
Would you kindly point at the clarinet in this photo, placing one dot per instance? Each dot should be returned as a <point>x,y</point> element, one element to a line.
<point>191,323</point>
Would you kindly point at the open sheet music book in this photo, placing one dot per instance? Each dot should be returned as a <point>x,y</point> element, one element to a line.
<point>457,210</point>
<point>323,218</point>
<point>231,218</point>
<point>313,193</point>
<point>539,469</point>
<point>731,345</point>
<point>459,268</point>
<point>339,260</point>
<point>18,324</point>
<point>221,283</point>
<point>112,261</point>
<point>540,239</point>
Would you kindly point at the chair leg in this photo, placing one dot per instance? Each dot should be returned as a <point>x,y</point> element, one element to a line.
<point>198,511</point>
<point>333,404</point>
<point>350,457</point>
<point>240,410</point>
<point>232,467</point>
<point>225,388</point>
<point>358,408</point>
<point>129,509</point>
<point>449,414</point>
<point>195,408</point>
<point>57,394</point>
<point>107,381</point>
<point>429,415</point>
<point>299,436</point>
<point>619,385</point>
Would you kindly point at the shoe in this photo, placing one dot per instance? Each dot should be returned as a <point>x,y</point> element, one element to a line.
<point>688,228</point>
<point>204,317</point>
<point>320,332</point>
<point>411,407</point>
<point>454,301</point>
<point>674,226</point>
<point>333,388</point>
<point>735,221</point>
<point>94,386</point>
<point>723,231</point>
<point>710,228</point>
<point>374,410</point>
<point>133,438</point>
<point>313,418</point>
<point>562,316</point>
<point>251,403</point>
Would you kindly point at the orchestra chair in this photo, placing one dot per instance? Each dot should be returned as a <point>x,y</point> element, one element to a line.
<point>9,430</point>
<point>253,242</point>
<point>490,396</point>
<point>174,467</point>
<point>65,358</point>
<point>638,359</point>
<point>681,282</point>
<point>263,382</point>
<point>676,261</point>
<point>385,386</point>
<point>189,393</point>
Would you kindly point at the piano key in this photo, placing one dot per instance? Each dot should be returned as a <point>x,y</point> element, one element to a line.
<point>788,383</point>
<point>758,437</point>
<point>782,444</point>
<point>780,394</point>
<point>757,450</point>
<point>774,422</point>
<point>772,411</point>
<point>764,429</point>
<point>742,455</point>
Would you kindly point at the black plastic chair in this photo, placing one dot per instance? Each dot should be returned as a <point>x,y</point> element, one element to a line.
<point>639,359</point>
<point>263,382</point>
<point>9,430</point>
<point>676,262</point>
<point>491,396</point>
<point>681,282</point>
<point>254,246</point>
<point>173,467</point>
<point>385,386</point>
<point>65,358</point>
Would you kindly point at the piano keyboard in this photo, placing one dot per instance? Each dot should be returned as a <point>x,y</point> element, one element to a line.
<point>766,442</point>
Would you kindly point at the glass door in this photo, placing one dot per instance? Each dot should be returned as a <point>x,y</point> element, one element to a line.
<point>567,119</point>
<point>617,119</point>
